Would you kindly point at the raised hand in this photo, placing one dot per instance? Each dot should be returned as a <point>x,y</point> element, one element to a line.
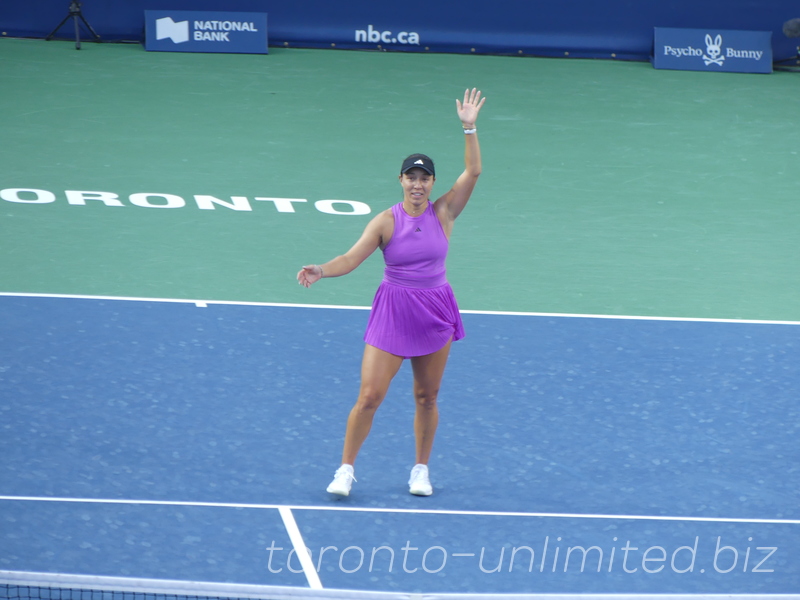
<point>468,109</point>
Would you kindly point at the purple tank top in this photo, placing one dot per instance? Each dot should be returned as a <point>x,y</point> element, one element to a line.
<point>415,255</point>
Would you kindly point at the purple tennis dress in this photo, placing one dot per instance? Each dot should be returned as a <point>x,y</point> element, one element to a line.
<point>414,311</point>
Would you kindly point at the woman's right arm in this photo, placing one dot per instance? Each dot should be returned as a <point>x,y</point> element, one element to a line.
<point>374,233</point>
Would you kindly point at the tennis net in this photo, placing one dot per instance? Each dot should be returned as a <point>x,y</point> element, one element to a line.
<point>19,585</point>
<point>23,585</point>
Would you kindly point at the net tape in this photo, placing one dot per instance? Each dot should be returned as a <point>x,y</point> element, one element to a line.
<point>23,585</point>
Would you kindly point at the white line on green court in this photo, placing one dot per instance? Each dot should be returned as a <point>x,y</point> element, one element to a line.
<point>206,303</point>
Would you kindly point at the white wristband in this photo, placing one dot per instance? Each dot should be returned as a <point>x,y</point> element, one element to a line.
<point>468,131</point>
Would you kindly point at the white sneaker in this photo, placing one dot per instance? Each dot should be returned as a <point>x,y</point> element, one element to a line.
<point>342,481</point>
<point>419,483</point>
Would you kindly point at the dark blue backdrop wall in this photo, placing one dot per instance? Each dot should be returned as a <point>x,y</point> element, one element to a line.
<point>587,28</point>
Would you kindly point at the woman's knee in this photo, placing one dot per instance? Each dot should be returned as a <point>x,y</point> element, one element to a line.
<point>426,398</point>
<point>369,399</point>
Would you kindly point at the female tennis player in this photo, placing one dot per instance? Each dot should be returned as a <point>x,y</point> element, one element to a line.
<point>414,314</point>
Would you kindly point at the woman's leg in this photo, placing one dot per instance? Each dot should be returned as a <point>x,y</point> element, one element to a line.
<point>378,368</point>
<point>428,372</point>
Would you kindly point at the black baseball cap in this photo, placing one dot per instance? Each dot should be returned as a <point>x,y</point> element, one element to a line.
<point>420,161</point>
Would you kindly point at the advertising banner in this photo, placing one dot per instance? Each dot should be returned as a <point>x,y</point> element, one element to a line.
<point>713,50</point>
<point>611,29</point>
<point>195,31</point>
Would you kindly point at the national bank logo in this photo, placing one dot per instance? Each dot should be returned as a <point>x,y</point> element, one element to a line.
<point>206,31</point>
<point>203,31</point>
<point>177,32</point>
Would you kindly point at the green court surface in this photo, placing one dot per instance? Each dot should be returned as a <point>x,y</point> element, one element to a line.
<point>608,187</point>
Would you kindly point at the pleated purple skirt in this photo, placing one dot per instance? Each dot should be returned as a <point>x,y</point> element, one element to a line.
<point>412,322</point>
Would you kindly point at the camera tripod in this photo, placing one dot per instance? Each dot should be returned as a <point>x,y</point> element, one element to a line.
<point>75,14</point>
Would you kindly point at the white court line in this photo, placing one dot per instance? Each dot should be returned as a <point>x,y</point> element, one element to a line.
<point>413,511</point>
<point>300,548</point>
<point>206,303</point>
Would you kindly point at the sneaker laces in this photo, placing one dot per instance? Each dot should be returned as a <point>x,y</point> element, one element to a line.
<point>418,473</point>
<point>343,471</point>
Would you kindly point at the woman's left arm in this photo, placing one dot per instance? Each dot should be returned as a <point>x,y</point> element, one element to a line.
<point>453,202</point>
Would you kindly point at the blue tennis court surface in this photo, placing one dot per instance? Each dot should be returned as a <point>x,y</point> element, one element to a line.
<point>183,440</point>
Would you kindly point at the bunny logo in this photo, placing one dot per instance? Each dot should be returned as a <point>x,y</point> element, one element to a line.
<point>713,51</point>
